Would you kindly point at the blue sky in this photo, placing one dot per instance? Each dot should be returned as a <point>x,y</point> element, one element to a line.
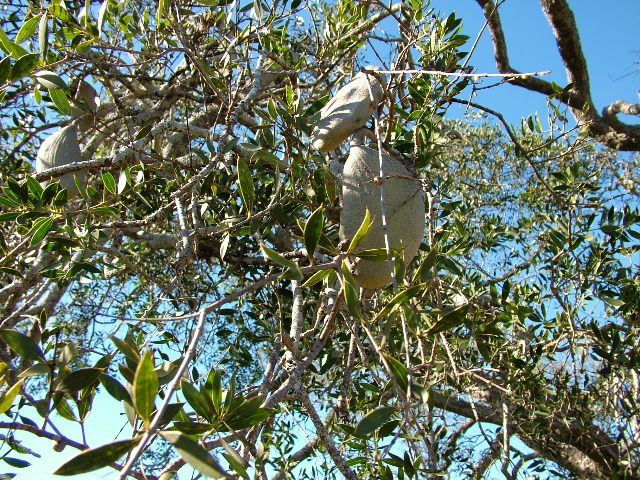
<point>612,47</point>
<point>610,42</point>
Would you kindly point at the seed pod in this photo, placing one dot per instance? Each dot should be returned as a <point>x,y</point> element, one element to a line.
<point>347,111</point>
<point>62,148</point>
<point>404,209</point>
<point>84,106</point>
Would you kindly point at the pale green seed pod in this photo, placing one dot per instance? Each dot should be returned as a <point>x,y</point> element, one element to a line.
<point>404,208</point>
<point>349,109</point>
<point>62,148</point>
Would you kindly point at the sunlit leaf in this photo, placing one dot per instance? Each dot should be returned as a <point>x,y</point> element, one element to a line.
<point>96,458</point>
<point>145,387</point>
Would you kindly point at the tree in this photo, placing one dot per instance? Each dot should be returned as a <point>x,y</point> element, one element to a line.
<point>199,279</point>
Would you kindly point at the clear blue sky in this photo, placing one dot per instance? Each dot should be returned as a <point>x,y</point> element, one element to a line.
<point>612,47</point>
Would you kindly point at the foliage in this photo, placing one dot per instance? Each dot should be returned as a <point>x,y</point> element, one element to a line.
<point>199,281</point>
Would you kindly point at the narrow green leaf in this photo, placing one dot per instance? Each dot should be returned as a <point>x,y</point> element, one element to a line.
<point>399,372</point>
<point>145,387</point>
<point>128,350</point>
<point>101,14</point>
<point>200,403</point>
<point>195,455</point>
<point>449,320</point>
<point>275,257</point>
<point>109,182</point>
<point>213,386</point>
<point>317,277</point>
<point>60,100</point>
<point>40,229</point>
<point>96,458</point>
<point>399,299</point>
<point>35,187</point>
<point>423,271</point>
<point>64,409</point>
<point>50,80</point>
<point>245,182</point>
<point>248,419</point>
<point>362,231</point>
<point>373,420</point>
<point>115,388</point>
<point>350,291</point>
<point>9,396</point>
<point>313,231</point>
<point>27,29</point>
<point>5,69</point>
<point>163,6</point>
<point>79,379</point>
<point>235,460</point>
<point>22,345</point>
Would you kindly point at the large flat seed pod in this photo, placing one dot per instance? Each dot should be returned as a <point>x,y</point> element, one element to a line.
<point>349,109</point>
<point>404,208</point>
<point>62,148</point>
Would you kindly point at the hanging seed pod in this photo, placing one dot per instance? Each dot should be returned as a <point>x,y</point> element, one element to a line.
<point>62,148</point>
<point>404,209</point>
<point>84,106</point>
<point>347,111</point>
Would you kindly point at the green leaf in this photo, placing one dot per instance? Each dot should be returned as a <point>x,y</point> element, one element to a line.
<point>247,414</point>
<point>423,271</point>
<point>163,6</point>
<point>236,461</point>
<point>399,371</point>
<point>5,69</point>
<point>60,100</point>
<point>12,48</point>
<point>115,388</point>
<point>96,458</point>
<point>373,420</point>
<point>449,320</point>
<point>200,403</point>
<point>50,80</point>
<point>128,350</point>
<point>27,29</point>
<point>40,229</point>
<point>109,182</point>
<point>35,187</point>
<point>245,181</point>
<point>350,291</point>
<point>22,345</point>
<point>101,14</point>
<point>213,386</point>
<point>196,456</point>
<point>9,396</point>
<point>313,231</point>
<point>317,277</point>
<point>145,387</point>
<point>24,66</point>
<point>275,257</point>
<point>16,462</point>
<point>399,299</point>
<point>79,379</point>
<point>362,232</point>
